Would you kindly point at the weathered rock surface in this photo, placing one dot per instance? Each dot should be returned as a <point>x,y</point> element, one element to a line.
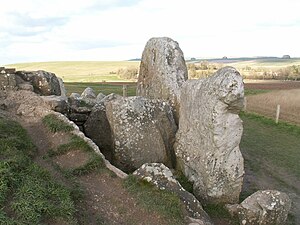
<point>162,72</point>
<point>264,208</point>
<point>63,91</point>
<point>74,96</point>
<point>98,129</point>
<point>44,83</point>
<point>161,176</point>
<point>56,103</point>
<point>88,93</point>
<point>25,86</point>
<point>7,82</point>
<point>143,130</point>
<point>99,97</point>
<point>210,130</point>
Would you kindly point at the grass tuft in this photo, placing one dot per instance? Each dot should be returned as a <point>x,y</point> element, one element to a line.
<point>55,124</point>
<point>96,163</point>
<point>28,194</point>
<point>185,183</point>
<point>166,203</point>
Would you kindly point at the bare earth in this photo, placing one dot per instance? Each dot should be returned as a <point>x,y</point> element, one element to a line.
<point>105,201</point>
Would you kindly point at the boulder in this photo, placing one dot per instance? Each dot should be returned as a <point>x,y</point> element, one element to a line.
<point>264,208</point>
<point>78,117</point>
<point>74,96</point>
<point>98,129</point>
<point>161,176</point>
<point>56,103</point>
<point>63,91</point>
<point>25,86</point>
<point>88,93</point>
<point>162,72</point>
<point>8,82</point>
<point>99,97</point>
<point>143,130</point>
<point>210,130</point>
<point>44,83</point>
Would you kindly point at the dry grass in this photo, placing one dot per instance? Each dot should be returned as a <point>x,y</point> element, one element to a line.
<point>266,104</point>
<point>81,71</point>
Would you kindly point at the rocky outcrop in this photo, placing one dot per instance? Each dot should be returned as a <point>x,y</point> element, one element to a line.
<point>7,80</point>
<point>98,129</point>
<point>44,83</point>
<point>263,208</point>
<point>143,131</point>
<point>56,103</point>
<point>162,72</point>
<point>88,93</point>
<point>210,130</point>
<point>161,176</point>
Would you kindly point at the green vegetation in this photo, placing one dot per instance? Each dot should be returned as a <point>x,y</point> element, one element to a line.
<point>164,202</point>
<point>255,91</point>
<point>185,183</point>
<point>28,194</point>
<point>75,143</point>
<point>55,124</point>
<point>265,141</point>
<point>216,211</point>
<point>78,87</point>
<point>95,162</point>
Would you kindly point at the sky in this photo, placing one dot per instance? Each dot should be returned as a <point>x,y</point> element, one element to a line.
<point>67,30</point>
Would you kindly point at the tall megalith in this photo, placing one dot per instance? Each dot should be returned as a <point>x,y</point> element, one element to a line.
<point>210,130</point>
<point>162,72</point>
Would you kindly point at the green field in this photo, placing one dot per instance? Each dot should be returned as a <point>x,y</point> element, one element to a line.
<point>80,71</point>
<point>101,87</point>
<point>271,156</point>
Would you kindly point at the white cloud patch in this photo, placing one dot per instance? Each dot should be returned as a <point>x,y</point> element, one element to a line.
<point>36,30</point>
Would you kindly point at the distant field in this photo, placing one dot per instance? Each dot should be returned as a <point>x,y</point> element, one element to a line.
<point>266,104</point>
<point>264,96</point>
<point>268,63</point>
<point>80,71</point>
<point>105,88</point>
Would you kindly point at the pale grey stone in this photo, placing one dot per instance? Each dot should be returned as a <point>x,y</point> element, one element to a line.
<point>162,72</point>
<point>88,93</point>
<point>143,130</point>
<point>210,130</point>
<point>264,208</point>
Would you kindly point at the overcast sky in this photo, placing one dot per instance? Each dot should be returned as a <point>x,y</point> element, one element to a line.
<point>54,30</point>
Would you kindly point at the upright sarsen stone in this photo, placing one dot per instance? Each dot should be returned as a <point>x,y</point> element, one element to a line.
<point>162,72</point>
<point>210,130</point>
<point>143,131</point>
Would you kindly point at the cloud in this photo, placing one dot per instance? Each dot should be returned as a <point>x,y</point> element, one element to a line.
<point>118,29</point>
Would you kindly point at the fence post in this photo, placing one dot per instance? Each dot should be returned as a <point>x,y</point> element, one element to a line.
<point>124,90</point>
<point>277,113</point>
<point>245,104</point>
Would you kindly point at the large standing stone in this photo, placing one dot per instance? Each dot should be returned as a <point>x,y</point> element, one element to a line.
<point>143,131</point>
<point>161,176</point>
<point>264,208</point>
<point>44,83</point>
<point>98,129</point>
<point>210,130</point>
<point>162,72</point>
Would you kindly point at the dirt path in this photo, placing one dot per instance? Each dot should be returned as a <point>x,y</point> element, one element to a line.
<point>105,199</point>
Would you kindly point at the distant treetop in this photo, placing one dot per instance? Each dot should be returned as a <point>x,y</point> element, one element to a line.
<point>286,56</point>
